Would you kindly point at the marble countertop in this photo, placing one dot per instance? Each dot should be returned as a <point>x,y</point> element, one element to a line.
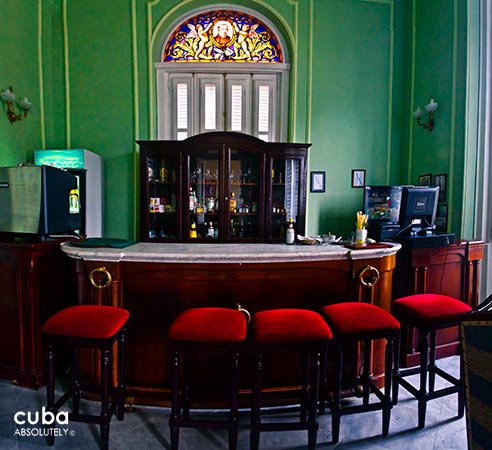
<point>224,253</point>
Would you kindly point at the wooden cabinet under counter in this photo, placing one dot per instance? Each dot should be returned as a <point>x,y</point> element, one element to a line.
<point>155,282</point>
<point>34,284</point>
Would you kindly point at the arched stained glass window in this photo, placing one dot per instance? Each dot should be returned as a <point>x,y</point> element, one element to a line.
<point>222,36</point>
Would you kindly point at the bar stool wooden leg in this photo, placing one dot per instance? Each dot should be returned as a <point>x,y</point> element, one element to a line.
<point>337,388</point>
<point>304,387</point>
<point>121,376</point>
<point>105,377</point>
<point>233,417</point>
<point>174,417</point>
<point>461,392</point>
<point>323,394</point>
<point>75,381</point>
<point>50,385</point>
<point>422,399</point>
<point>388,375</point>
<point>255,410</point>
<point>396,369</point>
<point>432,362</point>
<point>313,400</point>
<point>366,372</point>
<point>186,385</point>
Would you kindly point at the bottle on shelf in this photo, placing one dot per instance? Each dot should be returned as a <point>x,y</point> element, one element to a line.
<point>163,171</point>
<point>241,229</point>
<point>232,203</point>
<point>210,231</point>
<point>192,200</point>
<point>193,234</point>
<point>290,236</point>
<point>152,232</point>
<point>233,229</point>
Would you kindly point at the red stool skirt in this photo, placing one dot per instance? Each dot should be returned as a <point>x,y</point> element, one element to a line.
<point>88,326</point>
<point>204,329</point>
<point>429,313</point>
<point>289,330</point>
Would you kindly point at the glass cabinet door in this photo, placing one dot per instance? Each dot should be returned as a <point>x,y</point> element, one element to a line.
<point>162,198</point>
<point>244,196</point>
<point>284,195</point>
<point>201,212</point>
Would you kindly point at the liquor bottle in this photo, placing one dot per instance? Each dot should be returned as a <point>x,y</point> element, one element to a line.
<point>232,203</point>
<point>210,231</point>
<point>163,171</point>
<point>193,234</point>
<point>241,229</point>
<point>193,200</point>
<point>290,236</point>
<point>233,229</point>
<point>151,232</point>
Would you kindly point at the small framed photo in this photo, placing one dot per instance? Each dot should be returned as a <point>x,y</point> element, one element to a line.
<point>358,178</point>
<point>318,181</point>
<point>425,180</point>
<point>442,218</point>
<point>441,181</point>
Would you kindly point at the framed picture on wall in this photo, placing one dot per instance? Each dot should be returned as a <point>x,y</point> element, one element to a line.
<point>425,180</point>
<point>441,181</point>
<point>358,178</point>
<point>318,181</point>
<point>442,218</point>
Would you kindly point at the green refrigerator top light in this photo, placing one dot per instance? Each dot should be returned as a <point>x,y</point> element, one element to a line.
<point>64,159</point>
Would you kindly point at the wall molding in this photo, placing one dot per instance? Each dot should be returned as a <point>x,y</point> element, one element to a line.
<point>67,73</point>
<point>452,144</point>
<point>391,5</point>
<point>412,94</point>
<point>40,74</point>
<point>136,118</point>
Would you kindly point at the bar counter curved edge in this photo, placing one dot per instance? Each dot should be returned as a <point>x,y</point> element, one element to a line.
<point>155,282</point>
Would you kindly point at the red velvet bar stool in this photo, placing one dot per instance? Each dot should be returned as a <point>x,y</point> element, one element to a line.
<point>429,313</point>
<point>354,322</point>
<point>205,329</point>
<point>88,326</point>
<point>290,330</point>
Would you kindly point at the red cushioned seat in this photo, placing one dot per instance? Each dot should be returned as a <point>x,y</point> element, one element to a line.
<point>290,325</point>
<point>430,309</point>
<point>359,319</point>
<point>87,321</point>
<point>209,325</point>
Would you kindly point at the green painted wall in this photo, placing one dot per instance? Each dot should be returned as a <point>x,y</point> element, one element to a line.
<point>19,67</point>
<point>438,68</point>
<point>352,78</point>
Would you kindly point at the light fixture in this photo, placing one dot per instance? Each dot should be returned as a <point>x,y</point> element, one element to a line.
<point>9,98</point>
<point>430,108</point>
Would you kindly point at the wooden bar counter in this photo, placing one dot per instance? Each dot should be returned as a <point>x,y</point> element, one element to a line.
<point>155,282</point>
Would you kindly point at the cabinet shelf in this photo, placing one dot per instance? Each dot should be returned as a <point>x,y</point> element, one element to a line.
<point>243,214</point>
<point>168,183</point>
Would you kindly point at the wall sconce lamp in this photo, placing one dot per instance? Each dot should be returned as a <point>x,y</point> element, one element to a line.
<point>9,98</point>
<point>430,108</point>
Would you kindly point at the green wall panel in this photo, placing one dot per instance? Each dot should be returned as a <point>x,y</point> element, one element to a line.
<point>359,67</point>
<point>19,67</point>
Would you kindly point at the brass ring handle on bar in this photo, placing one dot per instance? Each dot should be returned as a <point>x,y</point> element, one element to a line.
<point>245,311</point>
<point>365,273</point>
<point>105,272</point>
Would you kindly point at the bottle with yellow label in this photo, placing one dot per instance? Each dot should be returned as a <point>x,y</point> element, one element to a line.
<point>193,234</point>
<point>232,203</point>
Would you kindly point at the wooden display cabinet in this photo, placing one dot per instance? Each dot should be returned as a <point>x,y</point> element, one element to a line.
<point>223,186</point>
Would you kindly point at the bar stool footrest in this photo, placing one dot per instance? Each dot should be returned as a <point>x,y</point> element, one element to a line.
<point>282,426</point>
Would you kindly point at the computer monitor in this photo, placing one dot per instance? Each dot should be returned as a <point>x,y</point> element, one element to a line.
<point>418,209</point>
<point>382,203</point>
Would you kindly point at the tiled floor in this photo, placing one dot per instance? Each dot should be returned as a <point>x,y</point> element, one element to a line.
<point>147,428</point>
